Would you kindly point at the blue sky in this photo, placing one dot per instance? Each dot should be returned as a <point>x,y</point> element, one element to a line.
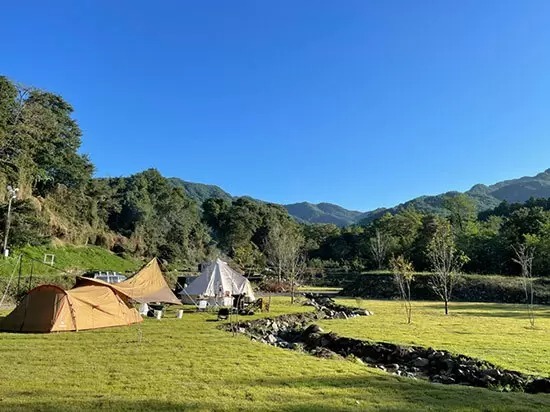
<point>359,103</point>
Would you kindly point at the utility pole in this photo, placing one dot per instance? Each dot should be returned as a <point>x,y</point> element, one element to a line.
<point>12,194</point>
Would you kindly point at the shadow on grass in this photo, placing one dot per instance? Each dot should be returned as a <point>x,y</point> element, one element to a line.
<point>364,392</point>
<point>385,393</point>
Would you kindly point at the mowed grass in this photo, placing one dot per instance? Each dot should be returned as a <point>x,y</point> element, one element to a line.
<point>189,364</point>
<point>499,333</point>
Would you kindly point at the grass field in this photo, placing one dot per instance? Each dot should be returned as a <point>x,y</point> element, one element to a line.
<point>499,333</point>
<point>190,364</point>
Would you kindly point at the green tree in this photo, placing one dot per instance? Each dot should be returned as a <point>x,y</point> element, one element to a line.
<point>39,141</point>
<point>461,208</point>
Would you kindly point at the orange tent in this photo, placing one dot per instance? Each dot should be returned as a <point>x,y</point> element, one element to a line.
<point>146,286</point>
<point>49,308</point>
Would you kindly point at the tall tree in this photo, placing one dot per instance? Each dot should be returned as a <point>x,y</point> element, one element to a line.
<point>461,208</point>
<point>39,141</point>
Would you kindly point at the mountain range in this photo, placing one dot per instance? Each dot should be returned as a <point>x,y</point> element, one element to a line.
<point>485,197</point>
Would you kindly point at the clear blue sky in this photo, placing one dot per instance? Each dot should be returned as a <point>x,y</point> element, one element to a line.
<point>359,103</point>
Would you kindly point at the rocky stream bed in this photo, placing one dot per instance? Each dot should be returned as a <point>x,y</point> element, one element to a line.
<point>299,332</point>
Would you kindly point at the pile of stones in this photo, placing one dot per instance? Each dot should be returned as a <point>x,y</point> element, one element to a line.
<point>418,362</point>
<point>298,333</point>
<point>333,310</point>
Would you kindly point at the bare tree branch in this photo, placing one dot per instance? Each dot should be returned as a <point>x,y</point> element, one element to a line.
<point>379,245</point>
<point>446,262</point>
<point>524,257</point>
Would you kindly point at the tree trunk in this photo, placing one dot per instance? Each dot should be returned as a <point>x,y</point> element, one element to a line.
<point>446,307</point>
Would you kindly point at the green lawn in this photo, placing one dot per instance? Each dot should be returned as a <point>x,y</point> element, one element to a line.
<point>190,364</point>
<point>499,333</point>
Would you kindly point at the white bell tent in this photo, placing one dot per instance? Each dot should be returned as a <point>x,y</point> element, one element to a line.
<point>216,284</point>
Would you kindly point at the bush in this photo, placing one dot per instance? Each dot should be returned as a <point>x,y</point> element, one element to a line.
<point>274,286</point>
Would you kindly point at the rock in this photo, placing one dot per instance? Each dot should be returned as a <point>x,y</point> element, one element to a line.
<point>271,339</point>
<point>361,312</point>
<point>538,386</point>
<point>443,379</point>
<point>449,364</point>
<point>355,359</point>
<point>312,329</point>
<point>421,362</point>
<point>488,379</point>
<point>323,353</point>
<point>325,340</point>
<point>313,340</point>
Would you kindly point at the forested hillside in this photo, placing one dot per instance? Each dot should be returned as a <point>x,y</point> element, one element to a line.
<point>59,201</point>
<point>484,197</point>
<point>322,213</point>
<point>200,192</point>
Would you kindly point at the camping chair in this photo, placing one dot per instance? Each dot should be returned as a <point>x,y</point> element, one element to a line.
<point>223,314</point>
<point>154,308</point>
<point>203,304</point>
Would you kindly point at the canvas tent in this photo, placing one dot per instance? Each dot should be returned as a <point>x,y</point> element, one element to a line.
<point>49,308</point>
<point>146,286</point>
<point>216,284</point>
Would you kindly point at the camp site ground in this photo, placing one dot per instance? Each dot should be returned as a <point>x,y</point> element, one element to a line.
<point>191,364</point>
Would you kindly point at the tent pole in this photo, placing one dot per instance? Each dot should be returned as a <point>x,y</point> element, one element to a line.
<point>30,277</point>
<point>194,303</point>
<point>19,275</point>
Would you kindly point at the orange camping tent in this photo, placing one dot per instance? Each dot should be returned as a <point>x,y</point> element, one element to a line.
<point>49,308</point>
<point>146,286</point>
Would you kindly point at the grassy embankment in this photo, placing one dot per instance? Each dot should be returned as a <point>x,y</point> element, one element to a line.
<point>189,364</point>
<point>68,259</point>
